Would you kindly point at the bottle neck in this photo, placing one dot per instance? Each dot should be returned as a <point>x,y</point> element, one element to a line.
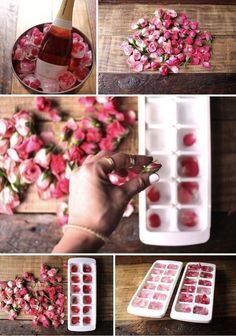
<point>64,16</point>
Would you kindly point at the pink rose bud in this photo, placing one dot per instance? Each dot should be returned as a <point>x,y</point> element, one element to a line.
<point>152,167</point>
<point>22,122</point>
<point>9,200</point>
<point>43,158</point>
<point>31,81</point>
<point>43,181</point>
<point>29,171</point>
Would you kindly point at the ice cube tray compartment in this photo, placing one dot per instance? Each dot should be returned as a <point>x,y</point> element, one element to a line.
<point>176,132</point>
<point>82,296</point>
<point>195,296</point>
<point>152,297</point>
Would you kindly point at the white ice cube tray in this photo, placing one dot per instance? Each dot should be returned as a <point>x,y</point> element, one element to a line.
<point>82,294</point>
<point>163,122</point>
<point>153,295</point>
<point>197,285</point>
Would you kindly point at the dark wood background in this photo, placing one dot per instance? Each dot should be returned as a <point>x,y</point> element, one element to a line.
<point>10,266</point>
<point>17,16</point>
<point>115,18</point>
<point>130,271</point>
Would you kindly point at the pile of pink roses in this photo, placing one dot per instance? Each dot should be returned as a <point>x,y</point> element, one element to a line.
<point>42,298</point>
<point>27,158</point>
<point>165,42</point>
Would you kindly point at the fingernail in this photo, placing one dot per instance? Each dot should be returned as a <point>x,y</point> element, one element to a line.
<point>154,178</point>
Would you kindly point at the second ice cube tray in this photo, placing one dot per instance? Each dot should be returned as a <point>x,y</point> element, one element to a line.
<point>153,295</point>
<point>175,130</point>
<point>195,295</point>
<point>82,294</point>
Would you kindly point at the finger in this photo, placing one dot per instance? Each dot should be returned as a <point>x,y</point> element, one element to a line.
<point>102,154</point>
<point>139,183</point>
<point>119,161</point>
<point>89,158</point>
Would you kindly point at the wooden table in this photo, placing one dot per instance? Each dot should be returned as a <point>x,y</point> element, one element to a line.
<point>10,266</point>
<point>115,76</point>
<point>130,271</point>
<point>16,16</point>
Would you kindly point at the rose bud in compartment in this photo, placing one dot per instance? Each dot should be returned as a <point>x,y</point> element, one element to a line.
<point>187,192</point>
<point>186,298</point>
<point>75,309</point>
<point>87,269</point>
<point>189,139</point>
<point>75,289</point>
<point>74,268</point>
<point>188,218</point>
<point>75,279</point>
<point>86,320</point>
<point>87,278</point>
<point>75,300</point>
<point>75,319</point>
<point>86,309</point>
<point>200,310</point>
<point>154,221</point>
<point>153,194</point>
<point>87,299</point>
<point>188,166</point>
<point>203,299</point>
<point>155,305</point>
<point>87,289</point>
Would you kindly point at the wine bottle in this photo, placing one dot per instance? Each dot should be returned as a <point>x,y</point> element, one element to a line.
<point>54,54</point>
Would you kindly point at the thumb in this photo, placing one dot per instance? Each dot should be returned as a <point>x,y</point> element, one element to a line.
<point>139,183</point>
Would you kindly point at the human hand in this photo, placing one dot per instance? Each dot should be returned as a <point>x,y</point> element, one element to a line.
<point>96,203</point>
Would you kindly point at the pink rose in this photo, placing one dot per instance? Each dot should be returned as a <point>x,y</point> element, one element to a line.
<point>74,153</point>
<point>107,144</point>
<point>43,158</point>
<point>29,171</point>
<point>89,147</point>
<point>116,130</point>
<point>164,70</point>
<point>6,128</point>
<point>43,104</point>
<point>4,144</point>
<point>34,143</point>
<point>22,122</point>
<point>43,181</point>
<point>8,200</point>
<point>78,136</point>
<point>93,135</point>
<point>58,164</point>
<point>16,140</point>
<point>130,117</point>
<point>87,101</point>
<point>63,185</point>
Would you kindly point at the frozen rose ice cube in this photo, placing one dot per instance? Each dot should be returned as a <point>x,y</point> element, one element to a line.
<point>195,267</point>
<point>149,286</point>
<point>86,309</point>
<point>87,320</point>
<point>188,281</point>
<point>206,275</point>
<point>155,305</point>
<point>75,309</point>
<point>87,289</point>
<point>173,266</point>
<point>87,278</point>
<point>140,302</point>
<point>154,221</point>
<point>207,268</point>
<point>164,288</point>
<point>183,308</point>
<point>167,279</point>
<point>159,296</point>
<point>170,272</point>
<point>205,283</point>
<point>204,290</point>
<point>87,299</point>
<point>187,192</point>
<point>66,80</point>
<point>74,268</point>
<point>75,279</point>
<point>145,293</point>
<point>75,300</point>
<point>75,289</point>
<point>200,310</point>
<point>159,265</point>
<point>188,218</point>
<point>186,298</point>
<point>188,289</point>
<point>153,194</point>
<point>157,270</point>
<point>154,278</point>
<point>203,299</point>
<point>188,166</point>
<point>193,274</point>
<point>189,139</point>
<point>49,85</point>
<point>87,268</point>
<point>75,320</point>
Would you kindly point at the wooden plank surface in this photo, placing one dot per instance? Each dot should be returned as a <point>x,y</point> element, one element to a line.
<point>130,271</point>
<point>10,266</point>
<point>116,76</point>
<point>22,15</point>
<point>70,105</point>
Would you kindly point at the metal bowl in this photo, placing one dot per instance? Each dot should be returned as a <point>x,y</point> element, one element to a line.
<point>71,90</point>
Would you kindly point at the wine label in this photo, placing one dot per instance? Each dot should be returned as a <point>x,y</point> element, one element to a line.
<point>64,16</point>
<point>45,70</point>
